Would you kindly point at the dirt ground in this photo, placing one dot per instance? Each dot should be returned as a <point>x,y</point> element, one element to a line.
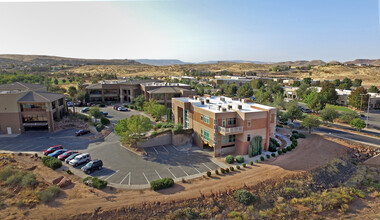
<point>311,152</point>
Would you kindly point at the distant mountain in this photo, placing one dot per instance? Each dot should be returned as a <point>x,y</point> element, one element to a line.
<point>302,63</point>
<point>158,62</point>
<point>54,60</point>
<point>375,62</point>
<point>233,61</point>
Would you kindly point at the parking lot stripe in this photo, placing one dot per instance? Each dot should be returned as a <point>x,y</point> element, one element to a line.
<point>129,181</point>
<point>158,174</point>
<point>155,150</point>
<point>175,148</point>
<point>125,178</point>
<point>183,170</point>
<point>207,166</point>
<point>146,178</point>
<point>111,175</point>
<point>196,169</point>
<point>172,173</point>
<point>165,148</point>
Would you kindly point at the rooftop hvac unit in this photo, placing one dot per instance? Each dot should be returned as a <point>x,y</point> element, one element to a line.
<point>202,102</point>
<point>207,100</point>
<point>240,106</point>
<point>224,109</point>
<point>222,99</point>
<point>229,107</point>
<point>219,107</point>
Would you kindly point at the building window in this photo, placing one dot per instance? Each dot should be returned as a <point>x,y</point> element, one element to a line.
<point>215,124</point>
<point>232,121</point>
<point>231,138</point>
<point>186,125</point>
<point>201,132</point>
<point>249,123</point>
<point>223,139</point>
<point>207,119</point>
<point>206,135</point>
<point>248,137</point>
<point>214,138</point>
<point>201,117</point>
<point>224,123</point>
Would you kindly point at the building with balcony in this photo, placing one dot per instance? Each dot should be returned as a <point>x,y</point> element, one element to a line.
<point>25,106</point>
<point>225,125</point>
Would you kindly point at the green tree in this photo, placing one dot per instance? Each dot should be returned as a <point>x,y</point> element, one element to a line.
<point>94,80</point>
<point>328,92</point>
<point>278,101</point>
<point>309,67</point>
<point>257,83</point>
<point>244,91</point>
<point>296,83</point>
<point>95,112</point>
<point>63,80</point>
<point>311,122</point>
<point>158,111</point>
<point>274,87</point>
<point>303,91</point>
<point>292,111</point>
<point>346,117</point>
<point>80,96</point>
<point>231,90</point>
<point>373,89</point>
<point>139,101</point>
<point>345,84</point>
<point>72,92</point>
<point>199,89</point>
<point>80,85</point>
<point>357,123</point>
<point>87,97</point>
<point>357,83</point>
<point>307,81</point>
<point>315,101</point>
<point>56,81</point>
<point>329,114</point>
<point>262,96</point>
<point>131,130</point>
<point>337,83</point>
<point>358,98</point>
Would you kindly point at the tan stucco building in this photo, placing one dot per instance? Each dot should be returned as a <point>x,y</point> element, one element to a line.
<point>225,124</point>
<point>27,106</point>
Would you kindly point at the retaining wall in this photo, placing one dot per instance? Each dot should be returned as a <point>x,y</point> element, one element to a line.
<point>166,138</point>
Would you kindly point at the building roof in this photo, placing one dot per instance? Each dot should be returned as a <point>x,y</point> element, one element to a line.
<point>21,86</point>
<point>216,101</point>
<point>162,90</point>
<point>94,86</point>
<point>120,82</point>
<point>163,84</point>
<point>41,97</point>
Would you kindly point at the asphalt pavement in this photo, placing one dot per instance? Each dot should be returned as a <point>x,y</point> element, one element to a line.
<point>353,136</point>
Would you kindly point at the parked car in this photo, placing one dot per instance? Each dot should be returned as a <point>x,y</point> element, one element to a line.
<point>80,159</point>
<point>115,107</point>
<point>82,132</point>
<point>57,153</point>
<point>104,113</point>
<point>52,149</point>
<point>307,110</point>
<point>92,166</point>
<point>72,156</point>
<point>66,155</point>
<point>69,104</point>
<point>122,109</point>
<point>85,110</point>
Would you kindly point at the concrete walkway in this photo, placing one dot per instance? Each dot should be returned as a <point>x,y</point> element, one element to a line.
<point>287,140</point>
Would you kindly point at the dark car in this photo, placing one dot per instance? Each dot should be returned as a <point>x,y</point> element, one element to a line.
<point>104,113</point>
<point>52,149</point>
<point>82,132</point>
<point>86,109</point>
<point>66,155</point>
<point>92,166</point>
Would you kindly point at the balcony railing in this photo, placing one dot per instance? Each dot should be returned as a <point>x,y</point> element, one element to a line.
<point>233,130</point>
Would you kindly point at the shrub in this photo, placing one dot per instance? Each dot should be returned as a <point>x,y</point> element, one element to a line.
<point>238,167</point>
<point>190,213</point>
<point>47,195</point>
<point>295,143</point>
<point>257,161</point>
<point>284,150</point>
<point>230,159</point>
<point>244,196</point>
<point>158,125</point>
<point>98,183</point>
<point>295,135</point>
<point>69,172</point>
<point>251,163</point>
<point>51,162</point>
<point>262,158</point>
<point>222,170</point>
<point>7,172</point>
<point>268,156</point>
<point>104,121</point>
<point>301,135</point>
<point>279,126</point>
<point>294,132</point>
<point>216,172</point>
<point>161,184</point>
<point>232,168</point>
<point>15,179</point>
<point>239,159</point>
<point>273,154</point>
<point>292,138</point>
<point>177,129</point>
<point>36,155</point>
<point>208,173</point>
<point>244,165</point>
<point>227,170</point>
<point>99,127</point>
<point>289,148</point>
<point>279,152</point>
<point>154,132</point>
<point>29,180</point>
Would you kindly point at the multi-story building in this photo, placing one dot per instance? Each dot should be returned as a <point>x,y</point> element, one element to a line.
<point>125,91</point>
<point>27,106</point>
<point>225,124</point>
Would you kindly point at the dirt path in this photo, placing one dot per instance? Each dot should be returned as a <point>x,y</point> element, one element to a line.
<point>312,152</point>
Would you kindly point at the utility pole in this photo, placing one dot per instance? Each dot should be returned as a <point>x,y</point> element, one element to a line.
<point>366,124</point>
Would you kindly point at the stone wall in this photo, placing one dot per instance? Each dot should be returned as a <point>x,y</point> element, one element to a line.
<point>181,139</point>
<point>166,138</point>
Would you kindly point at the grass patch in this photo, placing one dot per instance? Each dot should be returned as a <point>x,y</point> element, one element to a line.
<point>339,108</point>
<point>47,195</point>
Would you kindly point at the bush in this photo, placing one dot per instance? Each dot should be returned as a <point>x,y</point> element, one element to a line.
<point>268,156</point>
<point>216,172</point>
<point>99,127</point>
<point>294,132</point>
<point>158,125</point>
<point>15,179</point>
<point>51,162</point>
<point>244,196</point>
<point>262,158</point>
<point>238,167</point>
<point>239,159</point>
<point>7,172</point>
<point>190,213</point>
<point>289,148</point>
<point>154,132</point>
<point>232,168</point>
<point>257,161</point>
<point>273,154</point>
<point>69,172</point>
<point>251,163</point>
<point>161,184</point>
<point>279,126</point>
<point>227,170</point>
<point>295,143</point>
<point>36,155</point>
<point>284,150</point>
<point>29,180</point>
<point>292,138</point>
<point>230,159</point>
<point>98,183</point>
<point>104,121</point>
<point>208,173</point>
<point>301,135</point>
<point>222,170</point>
<point>177,129</point>
<point>48,194</point>
<point>244,165</point>
<point>279,152</point>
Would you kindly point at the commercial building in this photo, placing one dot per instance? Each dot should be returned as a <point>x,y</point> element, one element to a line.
<point>227,125</point>
<point>125,91</point>
<point>26,106</point>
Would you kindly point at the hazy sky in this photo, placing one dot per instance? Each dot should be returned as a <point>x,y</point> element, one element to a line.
<point>262,30</point>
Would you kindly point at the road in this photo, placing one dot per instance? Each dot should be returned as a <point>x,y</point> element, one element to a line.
<point>352,129</point>
<point>349,135</point>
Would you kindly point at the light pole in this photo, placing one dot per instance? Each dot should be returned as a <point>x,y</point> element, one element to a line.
<point>366,123</point>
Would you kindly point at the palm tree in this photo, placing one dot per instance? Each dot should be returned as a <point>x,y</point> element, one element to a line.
<point>72,92</point>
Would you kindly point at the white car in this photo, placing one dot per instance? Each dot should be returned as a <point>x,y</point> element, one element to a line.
<point>122,109</point>
<point>80,159</point>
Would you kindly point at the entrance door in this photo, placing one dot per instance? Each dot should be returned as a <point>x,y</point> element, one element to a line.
<point>9,130</point>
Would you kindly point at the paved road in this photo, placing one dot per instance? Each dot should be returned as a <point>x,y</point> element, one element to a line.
<point>352,129</point>
<point>349,135</point>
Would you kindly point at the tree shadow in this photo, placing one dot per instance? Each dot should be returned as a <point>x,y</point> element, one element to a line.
<point>169,191</point>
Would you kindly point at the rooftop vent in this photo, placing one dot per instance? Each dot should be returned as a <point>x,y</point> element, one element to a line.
<point>240,106</point>
<point>207,100</point>
<point>224,109</point>
<point>202,102</point>
<point>229,107</point>
<point>219,107</point>
<point>222,99</point>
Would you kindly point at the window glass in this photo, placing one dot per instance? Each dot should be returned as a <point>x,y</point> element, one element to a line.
<point>206,135</point>
<point>207,119</point>
<point>232,121</point>
<point>249,123</point>
<point>249,137</point>
<point>223,139</point>
<point>231,138</point>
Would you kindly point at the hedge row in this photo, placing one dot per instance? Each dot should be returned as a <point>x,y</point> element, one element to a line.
<point>230,159</point>
<point>161,184</point>
<point>96,182</point>
<point>51,162</point>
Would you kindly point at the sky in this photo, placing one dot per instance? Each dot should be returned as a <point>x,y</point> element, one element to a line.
<point>193,31</point>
